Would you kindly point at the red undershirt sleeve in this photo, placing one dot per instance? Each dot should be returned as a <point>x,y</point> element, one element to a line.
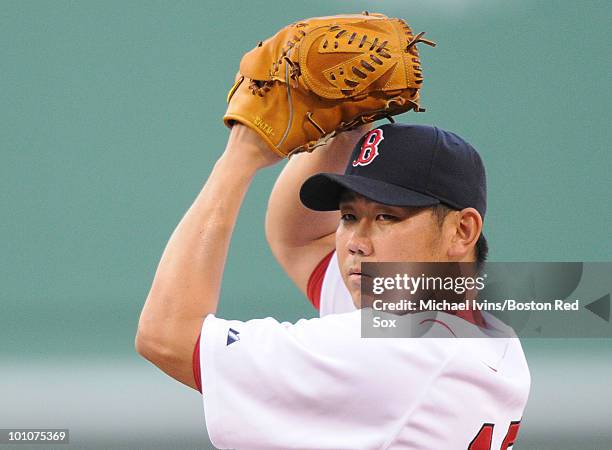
<point>315,282</point>
<point>196,365</point>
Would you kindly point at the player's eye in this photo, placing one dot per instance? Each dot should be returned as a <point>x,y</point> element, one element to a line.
<point>386,217</point>
<point>346,217</point>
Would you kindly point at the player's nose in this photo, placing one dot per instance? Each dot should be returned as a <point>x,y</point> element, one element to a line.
<point>359,241</point>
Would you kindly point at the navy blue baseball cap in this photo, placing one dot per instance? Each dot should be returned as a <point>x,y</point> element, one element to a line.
<point>405,165</point>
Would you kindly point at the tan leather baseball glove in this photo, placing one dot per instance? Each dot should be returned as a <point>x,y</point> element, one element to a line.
<point>321,76</point>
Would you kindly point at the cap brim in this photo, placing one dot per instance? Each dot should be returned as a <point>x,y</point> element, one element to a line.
<point>322,192</point>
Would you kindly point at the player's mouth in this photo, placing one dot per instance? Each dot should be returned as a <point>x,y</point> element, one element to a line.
<point>355,274</point>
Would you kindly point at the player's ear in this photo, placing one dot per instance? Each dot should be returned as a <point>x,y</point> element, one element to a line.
<point>467,226</point>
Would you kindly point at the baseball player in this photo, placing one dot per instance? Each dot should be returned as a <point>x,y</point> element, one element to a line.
<point>392,193</point>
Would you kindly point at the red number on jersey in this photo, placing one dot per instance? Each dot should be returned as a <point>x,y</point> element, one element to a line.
<point>483,439</point>
<point>511,435</point>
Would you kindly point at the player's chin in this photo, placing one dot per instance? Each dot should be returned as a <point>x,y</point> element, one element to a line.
<point>356,301</point>
<point>361,301</point>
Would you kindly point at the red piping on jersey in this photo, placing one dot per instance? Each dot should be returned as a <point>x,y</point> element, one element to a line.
<point>195,360</point>
<point>440,322</point>
<point>315,282</point>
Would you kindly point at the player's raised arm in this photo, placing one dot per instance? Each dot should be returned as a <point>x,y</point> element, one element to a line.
<point>300,237</point>
<point>188,278</point>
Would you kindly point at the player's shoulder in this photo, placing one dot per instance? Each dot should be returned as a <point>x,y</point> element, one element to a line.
<point>343,336</point>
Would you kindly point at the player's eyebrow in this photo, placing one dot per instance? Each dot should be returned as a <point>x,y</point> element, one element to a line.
<point>348,196</point>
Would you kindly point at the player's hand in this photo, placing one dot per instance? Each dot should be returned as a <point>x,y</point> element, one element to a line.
<point>247,148</point>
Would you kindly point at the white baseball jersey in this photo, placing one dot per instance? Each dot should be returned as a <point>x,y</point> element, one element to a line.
<point>317,384</point>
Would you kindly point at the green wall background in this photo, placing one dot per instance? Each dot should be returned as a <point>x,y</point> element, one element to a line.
<point>110,119</point>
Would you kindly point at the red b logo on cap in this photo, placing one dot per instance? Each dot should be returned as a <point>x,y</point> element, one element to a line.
<point>369,148</point>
